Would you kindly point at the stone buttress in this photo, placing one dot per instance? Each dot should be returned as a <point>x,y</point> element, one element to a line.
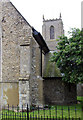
<point>20,59</point>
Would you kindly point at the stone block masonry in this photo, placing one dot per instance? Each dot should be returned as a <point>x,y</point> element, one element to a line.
<point>24,93</point>
<point>20,59</point>
<point>14,34</point>
<point>58,31</point>
<point>14,31</point>
<point>10,94</point>
<point>58,92</point>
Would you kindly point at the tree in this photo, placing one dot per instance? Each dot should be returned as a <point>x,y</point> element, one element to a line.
<point>69,57</point>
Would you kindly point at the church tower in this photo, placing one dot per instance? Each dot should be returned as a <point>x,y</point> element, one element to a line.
<point>51,30</point>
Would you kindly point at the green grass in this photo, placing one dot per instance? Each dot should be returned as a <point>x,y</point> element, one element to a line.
<point>80,98</point>
<point>59,111</point>
<point>51,113</point>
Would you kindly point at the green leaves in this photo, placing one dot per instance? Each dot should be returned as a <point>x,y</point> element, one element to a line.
<point>69,57</point>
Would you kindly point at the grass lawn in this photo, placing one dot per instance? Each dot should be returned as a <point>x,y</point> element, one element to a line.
<point>61,111</point>
<point>73,111</point>
<point>80,98</point>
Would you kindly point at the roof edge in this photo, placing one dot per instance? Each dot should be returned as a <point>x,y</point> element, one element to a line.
<point>20,14</point>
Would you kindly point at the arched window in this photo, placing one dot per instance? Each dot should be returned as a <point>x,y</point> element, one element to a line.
<point>52,32</point>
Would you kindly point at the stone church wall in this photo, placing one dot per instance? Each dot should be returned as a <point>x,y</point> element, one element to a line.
<point>58,92</point>
<point>10,94</point>
<point>21,79</point>
<point>53,91</point>
<point>0,56</point>
<point>36,89</point>
<point>15,32</point>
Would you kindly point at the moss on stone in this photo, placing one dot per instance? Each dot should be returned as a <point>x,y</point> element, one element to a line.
<point>51,69</point>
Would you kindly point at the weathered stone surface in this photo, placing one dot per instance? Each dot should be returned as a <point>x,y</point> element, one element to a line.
<point>24,61</point>
<point>10,94</point>
<point>21,82</point>
<point>79,89</point>
<point>50,68</point>
<point>58,30</point>
<point>58,92</point>
<point>0,43</point>
<point>20,58</point>
<point>21,55</point>
<point>15,33</point>
<point>53,91</point>
<point>35,71</point>
<point>24,93</point>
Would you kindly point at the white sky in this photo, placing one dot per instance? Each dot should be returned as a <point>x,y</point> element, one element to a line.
<point>33,11</point>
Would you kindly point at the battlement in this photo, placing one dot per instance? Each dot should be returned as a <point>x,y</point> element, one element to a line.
<point>48,20</point>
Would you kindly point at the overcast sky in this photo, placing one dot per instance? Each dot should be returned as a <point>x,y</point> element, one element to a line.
<point>33,10</point>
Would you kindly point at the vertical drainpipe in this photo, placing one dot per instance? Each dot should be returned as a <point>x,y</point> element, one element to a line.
<point>41,61</point>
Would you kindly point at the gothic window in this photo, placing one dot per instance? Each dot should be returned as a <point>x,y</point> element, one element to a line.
<point>52,32</point>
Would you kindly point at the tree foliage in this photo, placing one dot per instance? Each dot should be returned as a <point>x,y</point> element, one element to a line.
<point>69,57</point>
